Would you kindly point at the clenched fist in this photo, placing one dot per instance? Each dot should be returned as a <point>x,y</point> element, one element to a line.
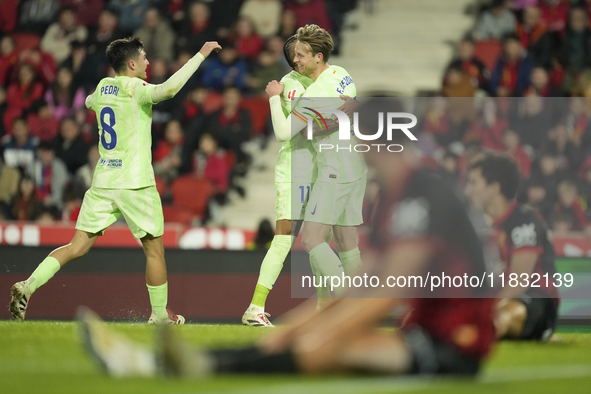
<point>274,88</point>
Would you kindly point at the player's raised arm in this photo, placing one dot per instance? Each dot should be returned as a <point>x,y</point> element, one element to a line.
<point>174,84</point>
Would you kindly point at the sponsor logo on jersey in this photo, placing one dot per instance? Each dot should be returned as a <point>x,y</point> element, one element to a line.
<point>524,235</point>
<point>111,163</point>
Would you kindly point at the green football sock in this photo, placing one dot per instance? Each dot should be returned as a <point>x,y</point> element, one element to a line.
<point>43,273</point>
<point>322,292</point>
<point>327,263</point>
<point>351,261</point>
<point>271,267</point>
<point>158,300</point>
<point>260,296</point>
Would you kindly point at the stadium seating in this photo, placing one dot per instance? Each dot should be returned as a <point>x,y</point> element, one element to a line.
<point>488,51</point>
<point>259,111</point>
<point>26,40</point>
<point>192,193</point>
<point>177,214</point>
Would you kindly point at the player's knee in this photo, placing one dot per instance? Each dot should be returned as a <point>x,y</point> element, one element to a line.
<point>309,242</point>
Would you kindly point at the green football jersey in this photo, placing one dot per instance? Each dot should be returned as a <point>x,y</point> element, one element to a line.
<point>123,107</point>
<point>344,165</point>
<point>296,158</point>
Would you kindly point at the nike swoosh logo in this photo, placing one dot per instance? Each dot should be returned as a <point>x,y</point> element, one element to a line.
<point>314,211</point>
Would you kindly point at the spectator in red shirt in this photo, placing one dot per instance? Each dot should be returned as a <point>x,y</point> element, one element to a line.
<point>247,42</point>
<point>554,14</point>
<point>309,12</point>
<point>8,15</point>
<point>42,124</point>
<point>22,95</point>
<point>42,62</point>
<point>209,163</point>
<point>167,155</point>
<point>515,150</point>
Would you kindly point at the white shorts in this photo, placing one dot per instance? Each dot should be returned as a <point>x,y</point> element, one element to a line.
<point>337,204</point>
<point>291,200</point>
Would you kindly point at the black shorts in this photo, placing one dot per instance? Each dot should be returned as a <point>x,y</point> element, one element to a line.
<point>542,313</point>
<point>433,356</point>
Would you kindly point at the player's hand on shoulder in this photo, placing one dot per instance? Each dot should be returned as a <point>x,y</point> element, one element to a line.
<point>349,106</point>
<point>274,88</point>
<point>208,47</point>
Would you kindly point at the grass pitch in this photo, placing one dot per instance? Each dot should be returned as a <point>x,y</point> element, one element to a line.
<point>47,357</point>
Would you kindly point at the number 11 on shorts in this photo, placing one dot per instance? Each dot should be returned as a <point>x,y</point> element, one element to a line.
<point>305,193</point>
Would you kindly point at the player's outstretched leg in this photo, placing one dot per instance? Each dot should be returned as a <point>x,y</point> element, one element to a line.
<point>114,354</point>
<point>156,280</point>
<point>271,267</point>
<point>20,293</point>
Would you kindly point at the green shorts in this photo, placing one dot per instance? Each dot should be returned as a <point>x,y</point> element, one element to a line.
<point>141,208</point>
<point>337,204</point>
<point>291,200</point>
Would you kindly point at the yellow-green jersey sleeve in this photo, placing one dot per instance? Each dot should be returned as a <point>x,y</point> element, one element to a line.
<point>140,91</point>
<point>296,158</point>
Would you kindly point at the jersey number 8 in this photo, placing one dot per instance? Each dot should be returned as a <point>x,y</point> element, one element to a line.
<point>108,128</point>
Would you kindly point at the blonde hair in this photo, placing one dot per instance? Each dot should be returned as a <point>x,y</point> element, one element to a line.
<point>316,39</point>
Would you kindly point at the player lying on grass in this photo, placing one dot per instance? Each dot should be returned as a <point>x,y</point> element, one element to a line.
<point>295,174</point>
<point>523,312</point>
<point>123,182</point>
<point>421,226</point>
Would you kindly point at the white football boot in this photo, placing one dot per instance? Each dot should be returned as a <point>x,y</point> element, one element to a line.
<point>19,300</point>
<point>256,319</point>
<point>172,319</point>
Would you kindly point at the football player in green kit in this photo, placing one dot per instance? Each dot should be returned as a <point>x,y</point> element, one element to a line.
<point>123,182</point>
<point>337,196</point>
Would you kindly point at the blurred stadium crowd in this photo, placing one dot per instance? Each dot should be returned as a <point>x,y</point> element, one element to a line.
<point>529,62</point>
<point>52,55</point>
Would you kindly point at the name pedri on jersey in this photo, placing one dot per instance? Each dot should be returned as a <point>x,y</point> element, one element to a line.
<point>123,107</point>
